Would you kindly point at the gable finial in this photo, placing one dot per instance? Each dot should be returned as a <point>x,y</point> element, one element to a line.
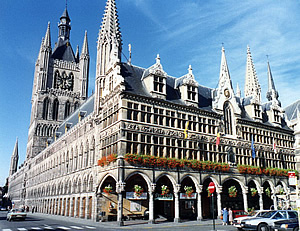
<point>66,4</point>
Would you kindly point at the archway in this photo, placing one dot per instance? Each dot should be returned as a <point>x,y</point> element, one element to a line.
<point>164,199</point>
<point>267,196</point>
<point>188,200</point>
<point>253,197</point>
<point>109,200</point>
<point>232,196</point>
<point>207,209</point>
<point>136,201</point>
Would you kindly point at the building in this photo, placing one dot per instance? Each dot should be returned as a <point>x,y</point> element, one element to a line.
<point>147,143</point>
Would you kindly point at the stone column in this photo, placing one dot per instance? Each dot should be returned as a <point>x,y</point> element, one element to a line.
<point>176,194</point>
<point>95,216</point>
<point>151,204</point>
<point>219,204</point>
<point>274,200</point>
<point>199,202</point>
<point>120,187</point>
<point>87,201</point>
<point>81,208</point>
<point>245,199</point>
<point>260,194</point>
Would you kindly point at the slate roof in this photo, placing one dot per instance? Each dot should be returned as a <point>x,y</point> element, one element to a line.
<point>133,81</point>
<point>63,51</point>
<point>292,110</point>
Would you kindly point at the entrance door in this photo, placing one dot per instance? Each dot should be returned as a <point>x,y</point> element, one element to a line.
<point>89,215</point>
<point>78,206</point>
<point>83,207</point>
<point>72,209</point>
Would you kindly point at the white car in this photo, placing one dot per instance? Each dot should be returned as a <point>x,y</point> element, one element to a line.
<point>14,214</point>
<point>237,221</point>
<point>266,221</point>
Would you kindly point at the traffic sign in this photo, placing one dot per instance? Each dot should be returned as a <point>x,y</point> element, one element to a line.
<point>211,187</point>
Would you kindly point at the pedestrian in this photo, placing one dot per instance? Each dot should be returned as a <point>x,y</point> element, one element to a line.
<point>230,216</point>
<point>225,216</point>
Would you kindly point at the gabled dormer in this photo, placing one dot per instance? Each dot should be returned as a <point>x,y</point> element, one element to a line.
<point>188,88</point>
<point>252,101</point>
<point>224,93</point>
<point>155,80</point>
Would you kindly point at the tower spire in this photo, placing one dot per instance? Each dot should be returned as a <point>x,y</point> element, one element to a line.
<point>272,94</point>
<point>14,159</point>
<point>64,26</point>
<point>85,47</point>
<point>47,40</point>
<point>252,86</point>
<point>109,40</point>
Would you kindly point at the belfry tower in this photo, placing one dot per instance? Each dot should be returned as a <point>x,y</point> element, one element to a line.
<point>60,85</point>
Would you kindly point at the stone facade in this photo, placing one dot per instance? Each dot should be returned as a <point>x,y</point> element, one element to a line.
<point>170,126</point>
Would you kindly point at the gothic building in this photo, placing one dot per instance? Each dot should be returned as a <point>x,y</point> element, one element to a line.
<point>147,143</point>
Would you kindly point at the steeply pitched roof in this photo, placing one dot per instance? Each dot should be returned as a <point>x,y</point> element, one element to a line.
<point>64,51</point>
<point>293,110</point>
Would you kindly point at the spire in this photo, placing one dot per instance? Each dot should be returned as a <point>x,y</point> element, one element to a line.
<point>110,30</point>
<point>77,53</point>
<point>64,26</point>
<point>252,86</point>
<point>224,70</point>
<point>238,91</point>
<point>272,94</point>
<point>85,47</point>
<point>14,159</point>
<point>47,40</point>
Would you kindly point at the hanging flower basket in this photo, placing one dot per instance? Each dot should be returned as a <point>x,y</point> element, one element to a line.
<point>281,191</point>
<point>138,190</point>
<point>107,189</point>
<point>232,191</point>
<point>164,190</point>
<point>253,192</point>
<point>268,192</point>
<point>208,193</point>
<point>188,190</point>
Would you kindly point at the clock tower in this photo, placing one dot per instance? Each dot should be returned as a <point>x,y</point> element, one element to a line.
<point>60,85</point>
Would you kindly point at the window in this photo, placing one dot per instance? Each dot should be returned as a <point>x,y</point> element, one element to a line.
<point>227,119</point>
<point>276,116</point>
<point>67,109</point>
<point>55,109</point>
<point>76,106</point>
<point>191,93</point>
<point>45,108</point>
<point>158,84</point>
<point>256,110</point>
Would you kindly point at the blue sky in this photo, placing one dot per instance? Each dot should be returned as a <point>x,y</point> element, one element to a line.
<point>184,33</point>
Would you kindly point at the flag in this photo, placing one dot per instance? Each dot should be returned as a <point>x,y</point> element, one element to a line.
<point>218,138</point>
<point>186,130</point>
<point>274,147</point>
<point>252,147</point>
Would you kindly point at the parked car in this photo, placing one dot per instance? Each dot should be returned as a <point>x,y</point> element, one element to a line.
<point>266,221</point>
<point>286,225</point>
<point>237,221</point>
<point>239,213</point>
<point>14,214</point>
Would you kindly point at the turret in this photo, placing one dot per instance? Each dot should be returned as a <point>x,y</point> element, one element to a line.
<point>84,63</point>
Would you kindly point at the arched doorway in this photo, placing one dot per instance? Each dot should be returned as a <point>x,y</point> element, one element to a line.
<point>281,197</point>
<point>136,201</point>
<point>253,197</point>
<point>232,195</point>
<point>109,199</point>
<point>164,199</point>
<point>267,196</point>
<point>206,200</point>
<point>188,200</point>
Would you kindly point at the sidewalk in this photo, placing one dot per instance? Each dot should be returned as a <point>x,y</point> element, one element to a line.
<point>135,224</point>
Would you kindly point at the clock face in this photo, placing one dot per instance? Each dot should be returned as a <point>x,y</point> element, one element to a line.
<point>64,82</point>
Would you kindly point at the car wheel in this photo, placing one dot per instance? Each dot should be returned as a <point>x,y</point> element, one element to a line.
<point>263,227</point>
<point>296,229</point>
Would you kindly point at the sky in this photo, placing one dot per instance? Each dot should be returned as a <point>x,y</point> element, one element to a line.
<point>183,33</point>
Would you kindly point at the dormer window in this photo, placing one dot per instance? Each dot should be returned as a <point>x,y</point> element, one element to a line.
<point>276,116</point>
<point>191,92</point>
<point>227,119</point>
<point>257,111</point>
<point>158,84</point>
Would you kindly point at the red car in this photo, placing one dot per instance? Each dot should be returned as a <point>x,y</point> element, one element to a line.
<point>239,213</point>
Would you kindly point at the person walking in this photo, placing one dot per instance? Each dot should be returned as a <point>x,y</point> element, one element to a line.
<point>230,216</point>
<point>225,216</point>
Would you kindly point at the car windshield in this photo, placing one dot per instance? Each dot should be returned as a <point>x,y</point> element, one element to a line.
<point>268,214</point>
<point>260,214</point>
<point>18,210</point>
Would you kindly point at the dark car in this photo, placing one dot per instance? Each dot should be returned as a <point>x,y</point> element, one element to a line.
<point>286,225</point>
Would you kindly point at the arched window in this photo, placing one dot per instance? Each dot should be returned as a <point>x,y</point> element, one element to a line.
<point>71,81</point>
<point>227,118</point>
<point>76,106</point>
<point>56,79</point>
<point>55,109</point>
<point>67,109</point>
<point>45,108</point>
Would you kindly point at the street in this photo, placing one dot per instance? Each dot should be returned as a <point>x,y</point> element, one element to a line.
<point>50,222</point>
